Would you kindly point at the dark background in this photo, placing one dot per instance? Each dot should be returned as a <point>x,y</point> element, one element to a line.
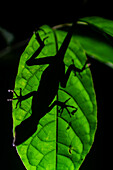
<point>22,19</point>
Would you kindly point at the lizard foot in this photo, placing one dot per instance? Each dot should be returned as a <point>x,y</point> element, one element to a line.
<point>64,105</point>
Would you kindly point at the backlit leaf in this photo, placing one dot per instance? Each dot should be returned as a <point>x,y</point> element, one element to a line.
<point>60,142</point>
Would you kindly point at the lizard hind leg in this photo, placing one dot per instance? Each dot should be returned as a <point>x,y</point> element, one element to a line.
<point>63,106</point>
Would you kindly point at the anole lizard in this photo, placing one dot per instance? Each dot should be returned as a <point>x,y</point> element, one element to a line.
<point>48,87</point>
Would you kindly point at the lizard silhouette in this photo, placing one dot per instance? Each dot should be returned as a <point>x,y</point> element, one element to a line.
<point>47,89</point>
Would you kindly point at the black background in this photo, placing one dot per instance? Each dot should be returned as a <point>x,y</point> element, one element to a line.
<point>22,19</point>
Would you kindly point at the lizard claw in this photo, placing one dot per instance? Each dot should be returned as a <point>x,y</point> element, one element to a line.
<point>9,90</point>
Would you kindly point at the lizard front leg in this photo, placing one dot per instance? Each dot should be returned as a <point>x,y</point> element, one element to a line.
<point>65,77</point>
<point>32,60</point>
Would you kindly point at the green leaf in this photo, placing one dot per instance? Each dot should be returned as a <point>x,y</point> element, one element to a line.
<point>103,24</point>
<point>97,44</point>
<point>60,142</point>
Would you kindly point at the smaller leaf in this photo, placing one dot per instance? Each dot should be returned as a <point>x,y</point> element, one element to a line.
<point>96,46</point>
<point>95,43</point>
<point>103,24</point>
